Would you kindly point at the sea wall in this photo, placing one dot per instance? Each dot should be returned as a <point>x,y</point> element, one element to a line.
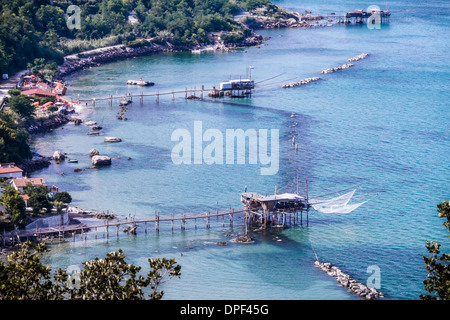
<point>97,57</point>
<point>346,281</point>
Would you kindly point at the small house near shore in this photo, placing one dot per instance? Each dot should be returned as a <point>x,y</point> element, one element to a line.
<point>38,93</point>
<point>20,183</point>
<point>9,170</point>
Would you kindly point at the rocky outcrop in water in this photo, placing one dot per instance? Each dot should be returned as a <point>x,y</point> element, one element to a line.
<point>101,160</point>
<point>58,156</point>
<point>93,152</point>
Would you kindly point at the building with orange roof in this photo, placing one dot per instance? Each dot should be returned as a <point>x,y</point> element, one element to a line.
<point>9,170</point>
<point>20,183</point>
<point>38,93</point>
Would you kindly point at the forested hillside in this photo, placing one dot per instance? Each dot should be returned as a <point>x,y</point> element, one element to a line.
<point>38,29</point>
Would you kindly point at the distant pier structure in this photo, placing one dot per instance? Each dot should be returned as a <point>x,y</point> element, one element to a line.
<point>363,16</point>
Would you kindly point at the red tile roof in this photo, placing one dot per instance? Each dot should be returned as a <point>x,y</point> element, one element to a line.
<point>38,91</point>
<point>9,170</point>
<point>22,182</point>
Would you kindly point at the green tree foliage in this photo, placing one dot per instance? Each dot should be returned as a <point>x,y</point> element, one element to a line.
<point>37,28</point>
<point>39,198</point>
<point>438,267</point>
<point>21,105</point>
<point>114,279</point>
<point>13,140</point>
<point>24,277</point>
<point>254,4</point>
<point>15,206</point>
<point>63,196</point>
<point>28,30</point>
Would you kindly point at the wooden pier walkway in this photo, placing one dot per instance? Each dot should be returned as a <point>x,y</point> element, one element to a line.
<point>191,92</point>
<point>277,219</point>
<point>131,223</point>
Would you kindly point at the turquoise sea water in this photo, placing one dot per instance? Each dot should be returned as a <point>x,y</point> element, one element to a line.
<point>381,125</point>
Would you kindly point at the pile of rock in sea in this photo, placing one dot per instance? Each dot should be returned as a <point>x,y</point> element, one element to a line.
<point>344,66</point>
<point>300,83</point>
<point>352,285</point>
<point>358,57</point>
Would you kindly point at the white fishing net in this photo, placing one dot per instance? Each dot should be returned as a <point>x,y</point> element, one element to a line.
<point>336,205</point>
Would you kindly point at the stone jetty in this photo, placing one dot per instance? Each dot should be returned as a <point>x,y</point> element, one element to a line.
<point>300,83</point>
<point>342,67</point>
<point>346,281</point>
<point>358,57</point>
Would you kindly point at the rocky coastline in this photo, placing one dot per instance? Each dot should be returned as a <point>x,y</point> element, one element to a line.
<point>48,124</point>
<point>97,57</point>
<point>262,19</point>
<point>257,19</point>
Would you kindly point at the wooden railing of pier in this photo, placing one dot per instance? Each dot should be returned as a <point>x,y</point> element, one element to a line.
<point>277,219</point>
<point>82,228</point>
<point>129,96</point>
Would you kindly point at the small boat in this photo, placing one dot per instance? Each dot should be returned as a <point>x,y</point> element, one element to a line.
<point>141,83</point>
<point>124,102</point>
<point>145,83</point>
<point>72,161</point>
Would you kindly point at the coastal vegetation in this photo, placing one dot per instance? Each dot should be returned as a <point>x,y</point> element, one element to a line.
<point>37,29</point>
<point>437,283</point>
<point>39,200</point>
<point>34,35</point>
<point>25,277</point>
<point>13,136</point>
<point>14,208</point>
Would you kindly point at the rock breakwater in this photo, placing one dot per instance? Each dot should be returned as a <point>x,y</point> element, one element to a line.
<point>342,67</point>
<point>346,281</point>
<point>300,83</point>
<point>358,57</point>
